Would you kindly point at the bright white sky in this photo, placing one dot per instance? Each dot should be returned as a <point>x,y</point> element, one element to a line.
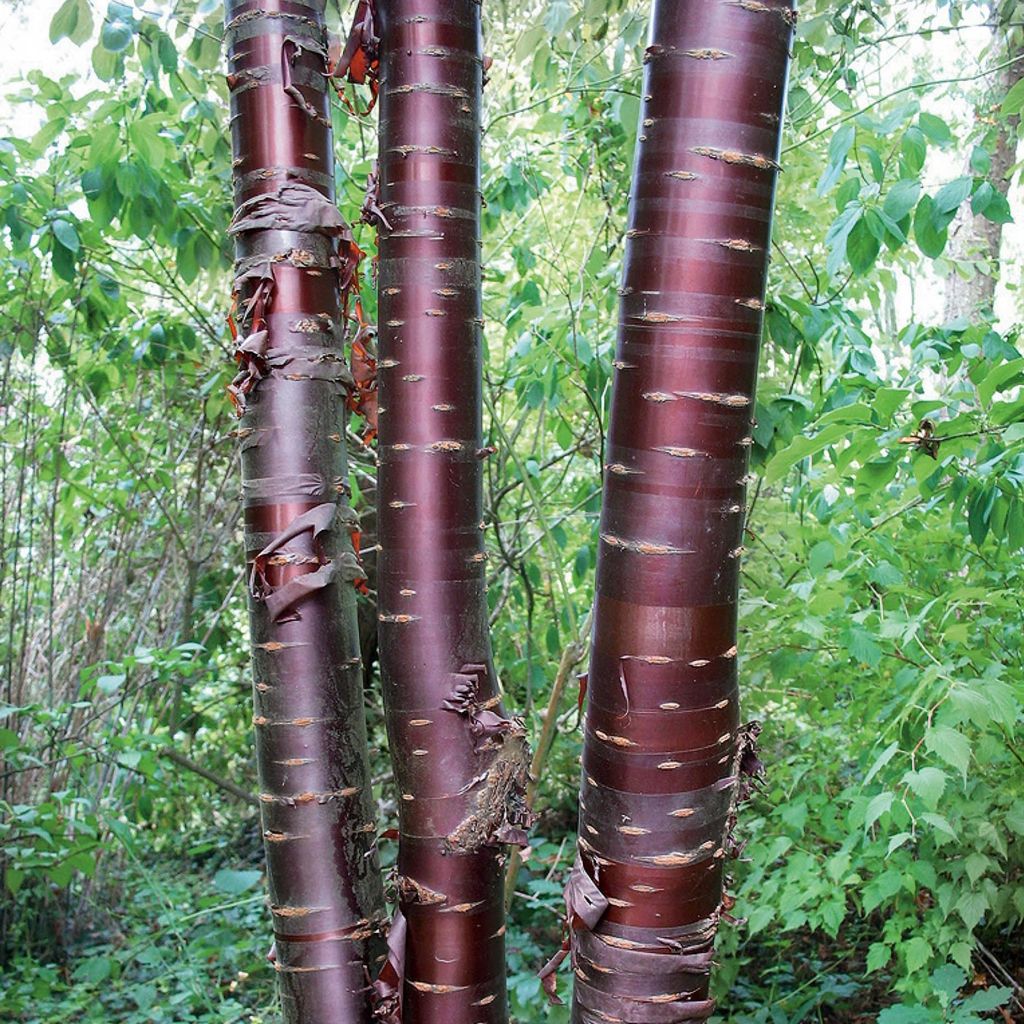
<point>25,45</point>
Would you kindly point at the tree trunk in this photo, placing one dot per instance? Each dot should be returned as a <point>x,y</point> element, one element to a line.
<point>664,750</point>
<point>325,890</point>
<point>975,238</point>
<point>460,764</point>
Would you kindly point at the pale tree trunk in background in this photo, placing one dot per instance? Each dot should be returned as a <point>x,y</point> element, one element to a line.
<point>974,238</point>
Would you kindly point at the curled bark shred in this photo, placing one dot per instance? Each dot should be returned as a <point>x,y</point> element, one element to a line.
<point>294,206</point>
<point>388,985</point>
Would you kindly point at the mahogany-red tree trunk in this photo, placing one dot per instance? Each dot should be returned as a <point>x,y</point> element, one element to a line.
<point>295,263</point>
<point>460,763</point>
<point>664,751</point>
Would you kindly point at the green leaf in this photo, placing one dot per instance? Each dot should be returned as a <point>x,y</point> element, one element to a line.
<point>66,234</point>
<point>939,822</point>
<point>862,647</point>
<point>916,953</point>
<point>982,197</point>
<point>906,1015</point>
<point>879,805</point>
<point>971,907</point>
<point>998,210</point>
<point>879,954</point>
<point>822,555</point>
<point>1015,817</point>
<point>94,970</point>
<point>981,161</point>
<point>999,379</point>
<point>862,245</point>
<point>948,979</point>
<point>116,36</point>
<point>949,197</point>
<point>145,136</point>
<point>902,198</point>
<point>110,684</point>
<point>987,999</point>
<point>72,20</point>
<point>837,235</point>
<point>976,864</point>
<point>881,761</point>
<point>838,151</point>
<point>801,448</point>
<point>953,747</point>
<point>978,514</point>
<point>235,882</point>
<point>935,128</point>
<point>759,918</point>
<point>928,783</point>
<point>1013,102</point>
<point>898,840</point>
<point>63,261</point>
<point>929,240</point>
<point>913,148</point>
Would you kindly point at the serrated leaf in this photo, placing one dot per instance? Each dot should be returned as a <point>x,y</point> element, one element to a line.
<point>94,970</point>
<point>1015,817</point>
<point>906,1015</point>
<point>953,747</point>
<point>971,907</point>
<point>916,953</point>
<point>896,842</point>
<point>937,821</point>
<point>877,806</point>
<point>928,783</point>
<point>987,999</point>
<point>862,647</point>
<point>881,761</point>
<point>879,954</point>
<point>976,865</point>
<point>948,979</point>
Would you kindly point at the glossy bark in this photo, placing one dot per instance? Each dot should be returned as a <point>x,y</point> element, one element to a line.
<point>664,750</point>
<point>459,762</point>
<point>325,889</point>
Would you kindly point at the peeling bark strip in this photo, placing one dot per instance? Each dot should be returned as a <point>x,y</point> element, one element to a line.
<point>664,753</point>
<point>460,762</point>
<point>315,799</point>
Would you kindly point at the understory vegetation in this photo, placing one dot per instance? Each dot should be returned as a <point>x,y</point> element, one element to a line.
<point>881,621</point>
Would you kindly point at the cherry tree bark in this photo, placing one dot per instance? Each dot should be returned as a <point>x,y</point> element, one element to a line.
<point>664,751</point>
<point>460,762</point>
<point>295,263</point>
